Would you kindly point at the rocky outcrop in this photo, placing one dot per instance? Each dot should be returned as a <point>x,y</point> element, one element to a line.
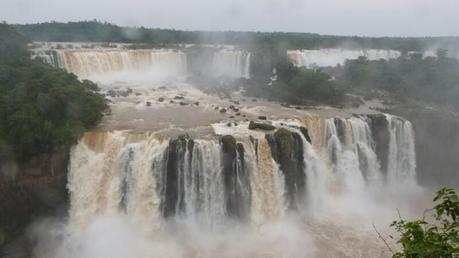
<point>437,144</point>
<point>379,129</point>
<point>305,133</point>
<point>175,162</point>
<point>287,151</point>
<point>261,126</point>
<point>236,178</point>
<point>31,190</point>
<point>340,128</point>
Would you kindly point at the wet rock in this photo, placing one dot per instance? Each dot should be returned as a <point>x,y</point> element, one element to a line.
<point>175,162</point>
<point>340,128</point>
<point>171,101</point>
<point>125,93</point>
<point>305,133</point>
<point>183,103</point>
<point>178,97</point>
<point>236,178</point>
<point>228,124</point>
<point>262,126</point>
<point>285,105</point>
<point>148,103</point>
<point>287,150</point>
<point>222,110</point>
<point>112,93</point>
<point>138,94</point>
<point>238,114</point>
<point>381,135</point>
<point>197,103</point>
<point>262,117</point>
<point>231,117</point>
<point>161,99</point>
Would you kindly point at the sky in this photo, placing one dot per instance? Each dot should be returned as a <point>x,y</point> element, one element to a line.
<point>335,17</point>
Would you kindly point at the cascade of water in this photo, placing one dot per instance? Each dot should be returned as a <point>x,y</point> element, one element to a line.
<point>95,63</point>
<point>106,175</point>
<point>231,63</point>
<point>333,57</point>
<point>199,188</point>
<point>351,153</point>
<point>402,157</point>
<point>364,147</point>
<point>267,184</point>
<point>210,181</point>
<point>207,166</point>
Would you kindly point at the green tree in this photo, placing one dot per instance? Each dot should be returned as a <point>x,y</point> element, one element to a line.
<point>42,109</point>
<point>437,239</point>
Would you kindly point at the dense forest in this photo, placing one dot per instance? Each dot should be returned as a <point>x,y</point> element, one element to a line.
<point>42,109</point>
<point>431,79</point>
<point>95,31</point>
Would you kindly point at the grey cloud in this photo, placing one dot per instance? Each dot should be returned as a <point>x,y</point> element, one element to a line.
<point>343,17</point>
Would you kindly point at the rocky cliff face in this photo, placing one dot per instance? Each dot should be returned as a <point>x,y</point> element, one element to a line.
<point>437,144</point>
<point>31,190</point>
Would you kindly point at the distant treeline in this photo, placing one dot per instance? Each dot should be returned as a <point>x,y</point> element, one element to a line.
<point>95,31</point>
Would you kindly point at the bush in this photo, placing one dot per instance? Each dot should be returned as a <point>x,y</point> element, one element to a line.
<point>440,238</point>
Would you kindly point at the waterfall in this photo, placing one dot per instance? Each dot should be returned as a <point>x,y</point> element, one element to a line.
<point>112,64</point>
<point>115,64</point>
<point>254,178</point>
<point>334,57</point>
<point>231,63</point>
<point>402,156</point>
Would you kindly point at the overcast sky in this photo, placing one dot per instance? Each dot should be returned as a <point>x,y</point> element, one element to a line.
<point>343,17</point>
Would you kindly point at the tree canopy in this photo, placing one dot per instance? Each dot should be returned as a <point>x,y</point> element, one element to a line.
<point>42,108</point>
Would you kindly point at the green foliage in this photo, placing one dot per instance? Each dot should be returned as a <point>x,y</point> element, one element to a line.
<point>295,85</point>
<point>42,108</point>
<point>430,79</point>
<point>437,239</point>
<point>94,31</point>
<point>303,84</point>
<point>12,44</point>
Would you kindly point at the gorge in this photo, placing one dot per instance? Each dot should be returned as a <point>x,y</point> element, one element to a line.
<point>176,171</point>
<point>194,180</point>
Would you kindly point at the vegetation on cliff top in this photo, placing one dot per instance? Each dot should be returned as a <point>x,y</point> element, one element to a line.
<point>439,238</point>
<point>296,85</point>
<point>42,109</point>
<point>95,31</point>
<point>431,79</point>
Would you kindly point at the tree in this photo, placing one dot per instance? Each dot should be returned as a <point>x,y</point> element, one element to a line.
<point>437,239</point>
<point>42,109</point>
